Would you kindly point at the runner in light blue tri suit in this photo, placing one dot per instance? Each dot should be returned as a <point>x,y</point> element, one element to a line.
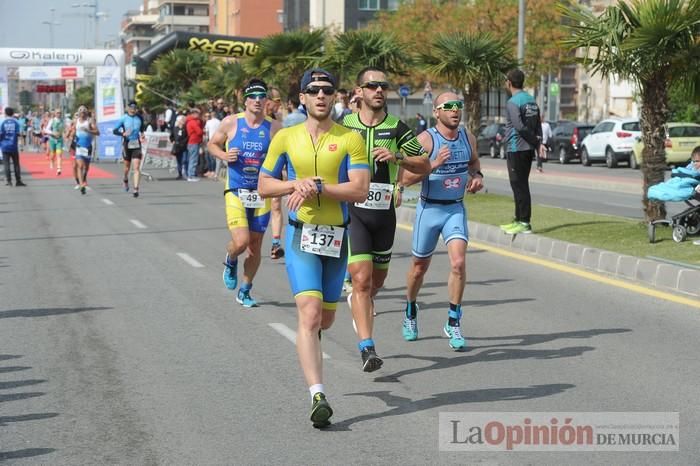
<point>440,210</point>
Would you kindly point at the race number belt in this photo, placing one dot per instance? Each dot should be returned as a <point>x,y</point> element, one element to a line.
<point>251,199</point>
<point>133,144</point>
<point>323,240</point>
<point>378,197</point>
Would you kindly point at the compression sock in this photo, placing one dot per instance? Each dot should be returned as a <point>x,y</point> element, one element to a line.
<point>365,343</point>
<point>276,241</point>
<point>454,315</point>
<point>411,309</point>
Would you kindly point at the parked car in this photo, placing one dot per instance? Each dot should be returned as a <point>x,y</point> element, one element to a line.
<point>491,140</point>
<point>566,140</point>
<point>610,141</point>
<point>681,140</point>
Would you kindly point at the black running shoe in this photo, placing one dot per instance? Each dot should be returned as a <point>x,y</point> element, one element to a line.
<point>370,360</point>
<point>136,193</point>
<point>19,183</point>
<point>82,190</point>
<point>321,411</point>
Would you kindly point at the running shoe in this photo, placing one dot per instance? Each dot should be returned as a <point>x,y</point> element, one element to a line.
<point>83,190</point>
<point>370,361</point>
<point>276,252</point>
<point>19,183</point>
<point>58,172</point>
<point>77,186</point>
<point>347,286</point>
<point>126,185</point>
<point>321,411</point>
<point>520,228</point>
<point>245,300</point>
<point>230,274</point>
<point>410,329</point>
<point>136,192</point>
<point>457,341</point>
<point>508,226</point>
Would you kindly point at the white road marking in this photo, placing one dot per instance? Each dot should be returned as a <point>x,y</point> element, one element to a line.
<point>137,224</point>
<point>190,260</point>
<point>289,334</point>
<point>107,201</point>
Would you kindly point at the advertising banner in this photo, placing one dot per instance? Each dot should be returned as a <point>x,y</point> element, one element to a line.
<point>109,110</point>
<point>46,73</point>
<point>16,56</point>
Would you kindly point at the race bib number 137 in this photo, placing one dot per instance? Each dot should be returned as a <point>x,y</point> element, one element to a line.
<point>323,240</point>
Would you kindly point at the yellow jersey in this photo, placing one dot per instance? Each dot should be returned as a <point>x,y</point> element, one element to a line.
<point>332,157</point>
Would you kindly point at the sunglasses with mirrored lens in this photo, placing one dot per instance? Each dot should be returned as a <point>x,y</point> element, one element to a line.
<point>374,85</point>
<point>256,95</point>
<point>451,105</point>
<point>313,90</point>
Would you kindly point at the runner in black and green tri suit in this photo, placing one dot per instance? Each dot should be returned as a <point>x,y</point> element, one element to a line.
<point>391,146</point>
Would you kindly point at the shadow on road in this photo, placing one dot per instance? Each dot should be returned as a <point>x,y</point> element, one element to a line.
<point>26,453</point>
<point>401,405</point>
<point>49,311</point>
<point>567,225</point>
<point>537,338</point>
<point>488,355</point>
<point>5,420</point>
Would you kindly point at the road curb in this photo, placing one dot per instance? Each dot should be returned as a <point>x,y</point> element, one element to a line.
<point>667,277</point>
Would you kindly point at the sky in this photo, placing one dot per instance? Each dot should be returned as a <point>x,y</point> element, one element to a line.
<point>21,22</point>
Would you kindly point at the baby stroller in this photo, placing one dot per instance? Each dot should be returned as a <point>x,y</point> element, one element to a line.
<point>679,188</point>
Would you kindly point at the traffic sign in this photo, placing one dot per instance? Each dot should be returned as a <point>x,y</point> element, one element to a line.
<point>554,89</point>
<point>404,91</point>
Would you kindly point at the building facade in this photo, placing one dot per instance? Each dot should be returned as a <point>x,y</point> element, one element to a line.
<point>337,15</point>
<point>246,18</point>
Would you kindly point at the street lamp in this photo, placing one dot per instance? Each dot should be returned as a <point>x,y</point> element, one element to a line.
<point>51,24</point>
<point>96,15</point>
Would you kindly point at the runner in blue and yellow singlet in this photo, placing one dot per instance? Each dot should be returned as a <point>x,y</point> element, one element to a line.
<point>247,136</point>
<point>327,168</point>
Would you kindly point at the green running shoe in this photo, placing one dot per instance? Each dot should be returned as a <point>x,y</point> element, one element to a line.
<point>508,226</point>
<point>520,228</point>
<point>457,341</point>
<point>321,411</point>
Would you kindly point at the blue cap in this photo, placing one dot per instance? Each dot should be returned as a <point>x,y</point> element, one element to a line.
<point>308,77</point>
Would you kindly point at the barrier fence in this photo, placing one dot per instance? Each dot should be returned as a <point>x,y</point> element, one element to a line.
<point>156,153</point>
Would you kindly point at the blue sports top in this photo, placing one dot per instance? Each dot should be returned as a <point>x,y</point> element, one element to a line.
<point>253,144</point>
<point>448,181</point>
<point>82,137</point>
<point>130,123</point>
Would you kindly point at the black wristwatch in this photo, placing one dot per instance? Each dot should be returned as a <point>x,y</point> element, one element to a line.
<point>478,172</point>
<point>319,186</point>
<point>399,157</point>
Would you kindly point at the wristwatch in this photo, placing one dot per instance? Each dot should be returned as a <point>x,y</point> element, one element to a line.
<point>401,188</point>
<point>319,186</point>
<point>399,157</point>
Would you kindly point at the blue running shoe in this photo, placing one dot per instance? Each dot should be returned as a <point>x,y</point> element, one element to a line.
<point>410,329</point>
<point>230,274</point>
<point>457,341</point>
<point>245,300</point>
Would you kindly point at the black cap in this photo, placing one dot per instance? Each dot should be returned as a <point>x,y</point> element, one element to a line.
<point>308,77</point>
<point>132,103</point>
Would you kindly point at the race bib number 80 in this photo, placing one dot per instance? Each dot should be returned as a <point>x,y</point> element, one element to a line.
<point>322,240</point>
<point>251,199</point>
<point>378,197</point>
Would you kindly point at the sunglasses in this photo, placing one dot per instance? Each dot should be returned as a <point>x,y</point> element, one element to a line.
<point>256,95</point>
<point>451,105</point>
<point>313,90</point>
<point>374,85</point>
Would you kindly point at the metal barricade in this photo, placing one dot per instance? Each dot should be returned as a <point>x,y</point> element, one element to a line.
<point>156,153</point>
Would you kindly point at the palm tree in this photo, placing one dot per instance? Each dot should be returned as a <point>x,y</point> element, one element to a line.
<point>351,51</point>
<point>656,45</point>
<point>177,75</point>
<point>472,62</point>
<point>281,59</point>
<point>225,79</point>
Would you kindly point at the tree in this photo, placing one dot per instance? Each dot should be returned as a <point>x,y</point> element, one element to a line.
<point>84,95</point>
<point>656,45</point>
<point>351,51</point>
<point>281,59</point>
<point>224,80</point>
<point>178,75</point>
<point>471,62</point>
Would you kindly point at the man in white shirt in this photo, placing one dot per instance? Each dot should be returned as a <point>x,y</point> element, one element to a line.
<point>544,147</point>
<point>213,164</point>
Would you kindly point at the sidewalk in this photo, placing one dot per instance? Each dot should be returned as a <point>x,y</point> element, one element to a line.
<point>660,275</point>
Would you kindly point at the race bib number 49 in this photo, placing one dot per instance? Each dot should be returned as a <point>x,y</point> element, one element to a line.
<point>251,199</point>
<point>378,198</point>
<point>323,240</point>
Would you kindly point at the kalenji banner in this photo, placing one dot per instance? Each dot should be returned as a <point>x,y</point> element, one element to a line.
<point>16,56</point>
<point>45,73</point>
<point>108,110</point>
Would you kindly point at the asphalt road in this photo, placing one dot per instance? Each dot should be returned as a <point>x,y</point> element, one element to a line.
<point>120,345</point>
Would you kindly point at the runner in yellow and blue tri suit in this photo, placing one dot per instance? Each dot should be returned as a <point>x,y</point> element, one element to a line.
<point>327,168</point>
<point>247,136</point>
